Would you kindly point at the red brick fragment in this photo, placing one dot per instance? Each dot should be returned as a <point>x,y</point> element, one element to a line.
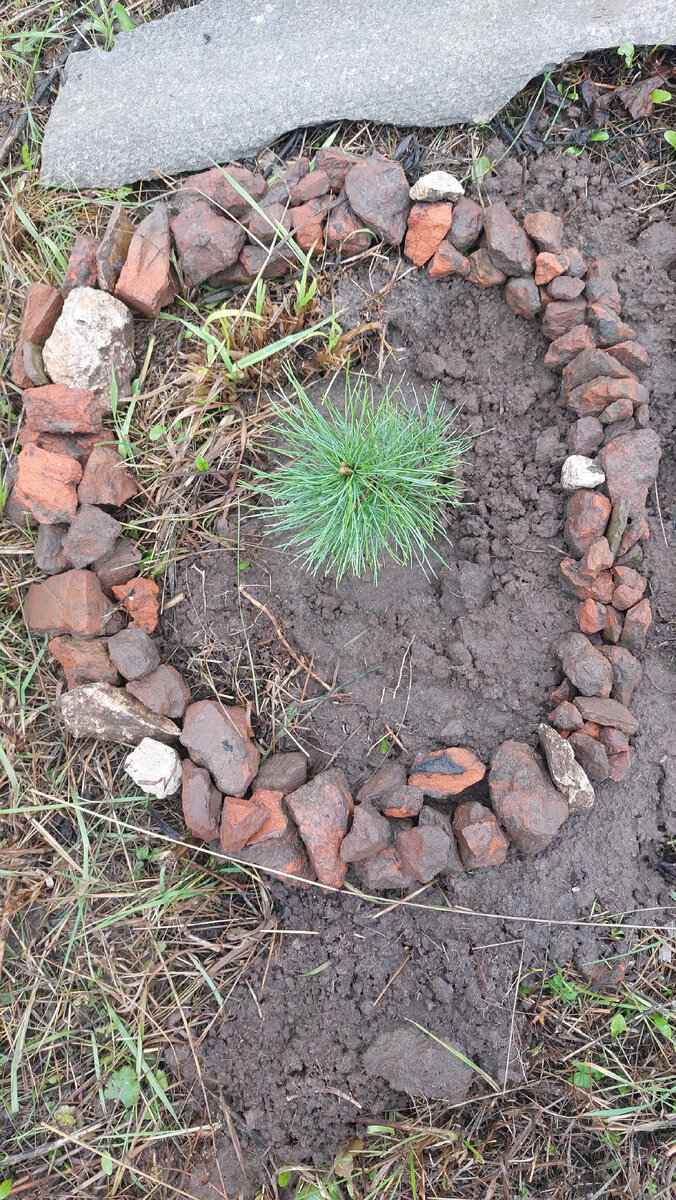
<point>47,485</point>
<point>507,243</point>
<point>448,261</point>
<point>315,183</point>
<point>107,479</point>
<point>217,187</point>
<point>548,266</point>
<point>322,809</point>
<point>637,622</point>
<point>564,349</point>
<point>207,242</point>
<point>201,801</point>
<point>69,603</point>
<point>56,408</point>
<point>345,233</point>
<point>545,229</point>
<point>483,271</point>
<point>612,626</point>
<point>445,773</point>
<point>140,597</point>
<point>82,270</point>
<point>587,515</point>
<point>591,616</point>
<point>427,226</point>
<point>561,316</point>
<point>43,308</point>
<point>481,842</point>
<point>84,660</point>
<point>144,280</point>
<point>240,821</point>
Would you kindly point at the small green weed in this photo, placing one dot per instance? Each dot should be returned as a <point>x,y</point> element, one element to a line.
<point>371,481</point>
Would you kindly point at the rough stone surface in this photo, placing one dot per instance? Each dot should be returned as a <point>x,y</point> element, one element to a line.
<point>106,479</point>
<point>218,737</point>
<point>84,660</point>
<point>428,225</point>
<point>68,603</point>
<point>92,534</point>
<point>482,269</point>
<point>525,802</point>
<point>201,802</point>
<point>585,436</point>
<point>164,691</point>
<point>566,717</point>
<point>413,1062</point>
<point>276,823</point>
<point>49,554</point>
<point>481,841</point>
<point>434,66</point>
<point>143,282</point>
<point>403,802</point>
<point>382,783</point>
<point>119,566</point>
<point>565,348</point>
<point>561,316</point>
<point>467,223</point>
<point>591,755</point>
<point>206,241</point>
<point>92,339</point>
<point>57,409</point>
<point>370,833</point>
<point>133,653</point>
<point>507,244</point>
<point>140,598</point>
<point>155,768</point>
<point>217,185</point>
<point>110,714</point>
<point>607,712</point>
<point>43,308</point>
<point>424,851</point>
<point>545,229</point>
<point>580,472</point>
<point>522,296</point>
<point>437,185</point>
<point>432,816</point>
<point>445,773</point>
<point>81,270</point>
<point>377,189</point>
<point>637,621</point>
<point>321,810</point>
<point>283,772</point>
<point>240,820</point>
<point>112,251</point>
<point>46,484</point>
<point>627,672</point>
<point>587,515</point>
<point>282,856</point>
<point>630,463</point>
<point>566,773</point>
<point>385,872</point>
<point>345,232</point>
<point>584,665</point>
<point>448,261</point>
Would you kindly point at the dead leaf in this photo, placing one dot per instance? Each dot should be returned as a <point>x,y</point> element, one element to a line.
<point>638,97</point>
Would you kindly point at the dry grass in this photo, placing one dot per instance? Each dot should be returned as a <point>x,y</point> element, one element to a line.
<point>119,945</point>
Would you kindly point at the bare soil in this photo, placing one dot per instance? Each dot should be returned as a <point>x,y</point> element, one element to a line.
<point>466,657</point>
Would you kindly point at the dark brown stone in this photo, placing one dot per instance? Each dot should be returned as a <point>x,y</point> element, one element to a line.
<point>377,190</point>
<point>506,242</point>
<point>526,803</point>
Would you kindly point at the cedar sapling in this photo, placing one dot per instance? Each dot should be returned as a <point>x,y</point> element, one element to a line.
<point>358,485</point>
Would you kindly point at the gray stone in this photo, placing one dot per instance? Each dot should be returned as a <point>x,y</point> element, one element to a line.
<point>220,80</point>
<point>565,771</point>
<point>101,711</point>
<point>92,340</point>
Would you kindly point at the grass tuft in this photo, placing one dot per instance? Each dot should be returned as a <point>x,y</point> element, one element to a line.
<point>361,484</point>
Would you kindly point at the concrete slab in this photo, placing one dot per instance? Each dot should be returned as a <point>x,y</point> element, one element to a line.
<point>225,78</point>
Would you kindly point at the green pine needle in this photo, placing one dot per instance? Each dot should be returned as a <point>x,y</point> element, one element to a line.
<point>359,485</point>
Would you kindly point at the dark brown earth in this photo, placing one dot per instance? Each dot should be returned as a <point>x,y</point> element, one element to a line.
<point>466,657</point>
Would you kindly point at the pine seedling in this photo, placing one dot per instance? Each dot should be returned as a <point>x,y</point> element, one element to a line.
<point>359,485</point>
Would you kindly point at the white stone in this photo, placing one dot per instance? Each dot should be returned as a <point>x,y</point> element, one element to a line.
<point>92,340</point>
<point>570,778</point>
<point>155,768</point>
<point>438,185</point>
<point>580,472</point>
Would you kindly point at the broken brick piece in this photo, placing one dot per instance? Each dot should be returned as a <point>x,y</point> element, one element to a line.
<point>47,485</point>
<point>481,842</point>
<point>140,597</point>
<point>427,226</point>
<point>448,772</point>
<point>43,308</point>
